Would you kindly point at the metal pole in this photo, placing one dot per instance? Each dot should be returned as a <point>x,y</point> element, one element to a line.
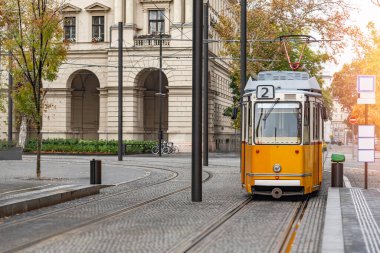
<point>120,94</point>
<point>243,67</point>
<point>353,142</point>
<point>205,84</point>
<point>366,164</point>
<point>160,100</point>
<point>196,147</point>
<point>10,103</point>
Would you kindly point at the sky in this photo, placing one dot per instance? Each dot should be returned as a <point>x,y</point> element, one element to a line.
<point>365,11</point>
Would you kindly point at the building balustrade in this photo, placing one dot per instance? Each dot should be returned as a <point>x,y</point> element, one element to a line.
<point>152,40</point>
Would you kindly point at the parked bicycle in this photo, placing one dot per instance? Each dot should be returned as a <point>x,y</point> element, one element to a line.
<point>166,148</point>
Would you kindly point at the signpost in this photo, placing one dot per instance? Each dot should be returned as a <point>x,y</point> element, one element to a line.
<point>353,120</point>
<point>366,133</point>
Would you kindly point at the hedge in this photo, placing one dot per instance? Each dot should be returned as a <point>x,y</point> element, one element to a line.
<point>4,145</point>
<point>88,146</point>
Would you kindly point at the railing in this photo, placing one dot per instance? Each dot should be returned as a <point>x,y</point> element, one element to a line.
<point>152,41</point>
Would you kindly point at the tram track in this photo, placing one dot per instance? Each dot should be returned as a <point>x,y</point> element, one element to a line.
<point>175,175</point>
<point>192,243</point>
<point>205,238</point>
<point>289,234</point>
<point>84,226</point>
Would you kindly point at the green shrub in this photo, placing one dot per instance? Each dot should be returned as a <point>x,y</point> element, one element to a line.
<point>4,145</point>
<point>88,146</point>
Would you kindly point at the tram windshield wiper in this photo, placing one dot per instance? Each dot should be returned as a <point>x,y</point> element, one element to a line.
<point>271,109</point>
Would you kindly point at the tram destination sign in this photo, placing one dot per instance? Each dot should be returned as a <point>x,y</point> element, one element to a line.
<point>265,92</point>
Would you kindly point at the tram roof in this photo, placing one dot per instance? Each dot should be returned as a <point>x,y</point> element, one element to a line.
<point>284,80</point>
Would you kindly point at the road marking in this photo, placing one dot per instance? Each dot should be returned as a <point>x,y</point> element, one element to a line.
<point>370,229</point>
<point>347,182</point>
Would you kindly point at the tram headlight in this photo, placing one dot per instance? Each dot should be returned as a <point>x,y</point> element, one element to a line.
<point>277,168</point>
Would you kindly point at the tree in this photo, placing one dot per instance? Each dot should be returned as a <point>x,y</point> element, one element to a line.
<point>344,83</point>
<point>268,19</point>
<point>33,32</point>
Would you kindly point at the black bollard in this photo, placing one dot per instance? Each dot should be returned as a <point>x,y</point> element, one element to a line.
<point>336,174</point>
<point>95,171</point>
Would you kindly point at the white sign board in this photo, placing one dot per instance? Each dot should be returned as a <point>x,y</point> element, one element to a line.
<point>366,131</point>
<point>366,155</point>
<point>366,83</point>
<point>366,89</point>
<point>366,143</point>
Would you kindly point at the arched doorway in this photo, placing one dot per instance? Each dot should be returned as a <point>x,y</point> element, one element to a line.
<point>85,105</point>
<point>150,81</point>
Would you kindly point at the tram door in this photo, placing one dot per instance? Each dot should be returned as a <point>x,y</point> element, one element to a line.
<point>243,162</point>
<point>317,142</point>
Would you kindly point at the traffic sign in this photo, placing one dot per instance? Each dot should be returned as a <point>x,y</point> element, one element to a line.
<point>353,120</point>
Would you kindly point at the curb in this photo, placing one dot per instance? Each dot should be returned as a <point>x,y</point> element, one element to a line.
<point>332,240</point>
<point>11,207</point>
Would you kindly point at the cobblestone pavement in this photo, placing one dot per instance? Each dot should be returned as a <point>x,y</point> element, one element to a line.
<point>63,170</point>
<point>155,214</point>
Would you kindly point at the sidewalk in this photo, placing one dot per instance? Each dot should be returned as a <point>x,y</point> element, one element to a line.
<point>63,178</point>
<point>353,213</point>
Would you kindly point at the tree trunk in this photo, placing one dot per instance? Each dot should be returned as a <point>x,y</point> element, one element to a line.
<point>39,145</point>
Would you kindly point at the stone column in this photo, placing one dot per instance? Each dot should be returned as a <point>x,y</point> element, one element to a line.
<point>118,11</point>
<point>129,29</point>
<point>129,12</point>
<point>178,11</point>
<point>188,11</point>
<point>103,113</point>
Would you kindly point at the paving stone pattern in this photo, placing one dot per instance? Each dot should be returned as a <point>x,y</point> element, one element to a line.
<point>160,226</point>
<point>155,227</point>
<point>256,228</point>
<point>309,233</point>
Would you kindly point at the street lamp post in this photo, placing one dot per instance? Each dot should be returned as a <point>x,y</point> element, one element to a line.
<point>160,100</point>
<point>243,63</point>
<point>205,83</point>
<point>120,94</point>
<point>196,152</point>
<point>10,103</point>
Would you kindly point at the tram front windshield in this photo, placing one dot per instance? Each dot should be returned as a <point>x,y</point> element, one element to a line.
<point>278,123</point>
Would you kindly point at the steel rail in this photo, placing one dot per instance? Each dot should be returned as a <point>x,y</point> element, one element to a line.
<point>92,222</point>
<point>190,244</point>
<point>289,234</point>
<point>7,225</point>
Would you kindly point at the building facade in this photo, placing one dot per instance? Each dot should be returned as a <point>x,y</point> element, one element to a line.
<point>335,129</point>
<point>84,97</point>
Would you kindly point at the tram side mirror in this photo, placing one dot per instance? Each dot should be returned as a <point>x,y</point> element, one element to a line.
<point>234,114</point>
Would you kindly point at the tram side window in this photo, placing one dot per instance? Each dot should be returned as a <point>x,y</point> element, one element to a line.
<point>316,123</point>
<point>321,119</point>
<point>306,124</point>
<point>250,123</point>
<point>243,127</point>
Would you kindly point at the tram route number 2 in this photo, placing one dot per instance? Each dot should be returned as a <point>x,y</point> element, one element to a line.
<point>265,92</point>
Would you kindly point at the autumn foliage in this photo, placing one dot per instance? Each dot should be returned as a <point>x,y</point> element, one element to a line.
<point>345,81</point>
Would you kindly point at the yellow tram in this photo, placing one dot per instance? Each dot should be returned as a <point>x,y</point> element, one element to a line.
<point>282,132</point>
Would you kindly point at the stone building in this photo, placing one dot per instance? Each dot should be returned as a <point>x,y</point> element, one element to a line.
<point>84,96</point>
